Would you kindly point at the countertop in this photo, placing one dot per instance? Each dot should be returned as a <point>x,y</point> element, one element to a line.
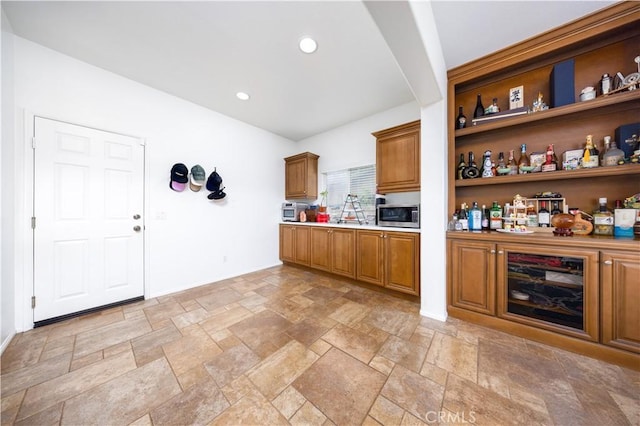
<point>353,226</point>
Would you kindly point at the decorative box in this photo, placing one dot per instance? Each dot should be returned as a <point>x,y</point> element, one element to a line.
<point>537,160</point>
<point>571,159</point>
<point>623,222</point>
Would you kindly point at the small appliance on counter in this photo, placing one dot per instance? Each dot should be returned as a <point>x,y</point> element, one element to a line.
<point>291,211</point>
<point>399,215</point>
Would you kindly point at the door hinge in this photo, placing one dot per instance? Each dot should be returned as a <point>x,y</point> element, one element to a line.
<point>33,222</point>
<point>33,302</point>
<point>33,143</point>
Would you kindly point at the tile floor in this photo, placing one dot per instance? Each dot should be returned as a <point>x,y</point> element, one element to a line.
<point>287,346</point>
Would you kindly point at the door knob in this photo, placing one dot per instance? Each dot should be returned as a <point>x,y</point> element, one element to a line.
<point>137,228</point>
<point>136,216</point>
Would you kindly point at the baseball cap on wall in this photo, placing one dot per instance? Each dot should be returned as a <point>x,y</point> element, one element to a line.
<point>179,177</point>
<point>198,177</point>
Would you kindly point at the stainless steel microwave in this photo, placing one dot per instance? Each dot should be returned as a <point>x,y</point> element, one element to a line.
<point>399,215</point>
<point>291,211</point>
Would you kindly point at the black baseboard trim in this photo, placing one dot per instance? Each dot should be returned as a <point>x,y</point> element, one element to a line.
<point>86,311</point>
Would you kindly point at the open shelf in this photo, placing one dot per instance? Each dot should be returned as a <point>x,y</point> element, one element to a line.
<point>578,107</point>
<point>625,169</point>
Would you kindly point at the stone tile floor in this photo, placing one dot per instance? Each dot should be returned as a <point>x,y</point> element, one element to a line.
<point>287,346</point>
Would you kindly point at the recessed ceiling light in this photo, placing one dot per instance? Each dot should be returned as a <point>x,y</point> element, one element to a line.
<point>242,96</point>
<point>308,45</point>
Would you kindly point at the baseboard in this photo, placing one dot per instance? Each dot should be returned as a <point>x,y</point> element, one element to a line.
<point>428,314</point>
<point>6,342</point>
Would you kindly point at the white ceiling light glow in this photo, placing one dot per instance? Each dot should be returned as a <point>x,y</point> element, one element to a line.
<point>242,96</point>
<point>308,45</point>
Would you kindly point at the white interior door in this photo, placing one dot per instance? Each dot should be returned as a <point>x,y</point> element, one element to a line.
<point>88,205</point>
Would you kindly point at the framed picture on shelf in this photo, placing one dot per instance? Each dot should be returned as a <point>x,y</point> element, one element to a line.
<point>516,97</point>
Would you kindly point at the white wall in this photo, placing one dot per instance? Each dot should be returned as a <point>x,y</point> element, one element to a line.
<point>7,228</point>
<point>190,240</point>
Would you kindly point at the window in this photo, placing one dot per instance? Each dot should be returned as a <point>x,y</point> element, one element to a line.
<point>360,181</point>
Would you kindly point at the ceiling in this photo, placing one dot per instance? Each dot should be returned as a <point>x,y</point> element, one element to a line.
<point>206,51</point>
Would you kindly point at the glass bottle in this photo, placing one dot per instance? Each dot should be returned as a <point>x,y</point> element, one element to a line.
<point>461,120</point>
<point>602,219</point>
<point>501,163</point>
<point>523,161</point>
<point>495,216</point>
<point>475,217</point>
<point>485,218</point>
<point>551,161</point>
<point>463,218</point>
<point>461,166</point>
<point>555,209</point>
<point>532,215</point>
<point>512,164</point>
<point>544,217</point>
<point>479,111</point>
<point>451,226</point>
<point>493,108</point>
<point>614,155</point>
<point>486,165</point>
<point>589,154</point>
<point>471,171</point>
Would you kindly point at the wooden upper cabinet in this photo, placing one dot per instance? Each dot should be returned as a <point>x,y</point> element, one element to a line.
<point>398,158</point>
<point>301,176</point>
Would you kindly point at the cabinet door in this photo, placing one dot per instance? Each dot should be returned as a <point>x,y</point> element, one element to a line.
<point>472,274</point>
<point>549,287</point>
<point>295,178</point>
<point>369,265</point>
<point>402,262</point>
<point>320,249</point>
<point>302,254</point>
<point>620,274</point>
<point>287,243</point>
<point>343,252</point>
<point>398,160</point>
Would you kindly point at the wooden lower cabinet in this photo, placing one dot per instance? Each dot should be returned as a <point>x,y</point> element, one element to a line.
<point>389,259</point>
<point>620,312</point>
<point>472,269</point>
<point>295,244</point>
<point>581,294</point>
<point>386,259</point>
<point>333,250</point>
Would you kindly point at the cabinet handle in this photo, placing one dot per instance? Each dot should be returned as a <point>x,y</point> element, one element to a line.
<point>500,252</point>
<point>492,251</point>
<point>608,262</point>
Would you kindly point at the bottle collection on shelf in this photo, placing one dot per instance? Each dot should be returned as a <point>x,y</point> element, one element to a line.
<point>586,158</point>
<point>523,215</point>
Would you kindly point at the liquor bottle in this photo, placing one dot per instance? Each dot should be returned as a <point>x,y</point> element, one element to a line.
<point>463,218</point>
<point>523,161</point>
<point>461,166</point>
<point>512,164</point>
<point>451,226</point>
<point>589,154</point>
<point>544,217</point>
<point>494,169</point>
<point>475,217</point>
<point>555,209</point>
<point>551,161</point>
<point>485,218</point>
<point>501,163</point>
<point>495,216</point>
<point>486,165</point>
<point>532,215</point>
<point>602,219</point>
<point>607,146</point>
<point>479,111</point>
<point>493,108</point>
<point>471,171</point>
<point>461,120</point>
<point>614,155</point>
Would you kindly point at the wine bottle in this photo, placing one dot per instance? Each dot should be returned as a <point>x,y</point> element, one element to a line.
<point>461,166</point>
<point>589,154</point>
<point>556,209</point>
<point>463,218</point>
<point>479,111</point>
<point>544,217</point>
<point>512,164</point>
<point>485,218</point>
<point>471,171</point>
<point>523,161</point>
<point>475,217</point>
<point>461,120</point>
